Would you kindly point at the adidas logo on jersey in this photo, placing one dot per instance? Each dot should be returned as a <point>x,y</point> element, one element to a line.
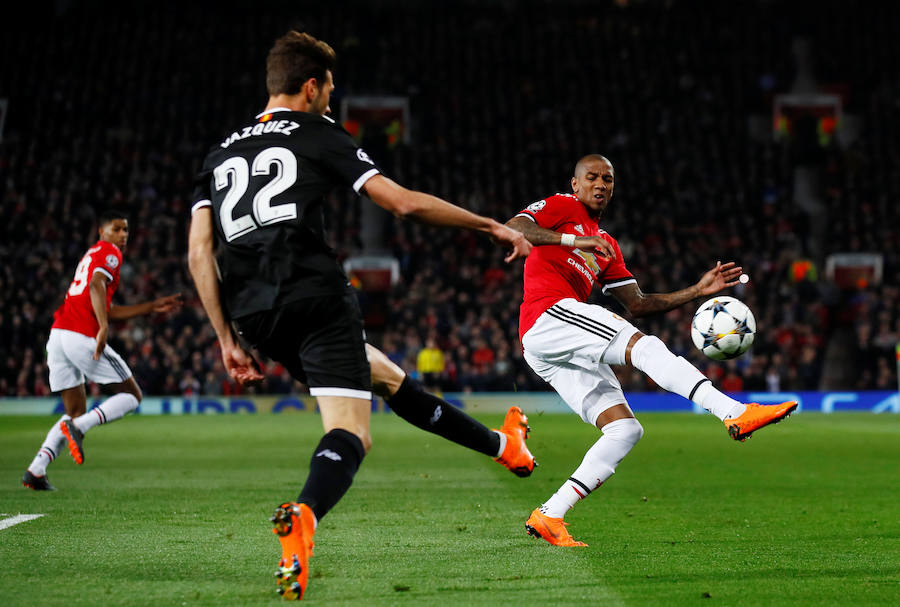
<point>579,229</point>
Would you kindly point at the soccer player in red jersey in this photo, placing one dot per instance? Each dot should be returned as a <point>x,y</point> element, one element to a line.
<point>571,344</point>
<point>77,349</point>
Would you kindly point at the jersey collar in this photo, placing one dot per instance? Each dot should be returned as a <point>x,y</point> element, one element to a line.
<point>272,111</point>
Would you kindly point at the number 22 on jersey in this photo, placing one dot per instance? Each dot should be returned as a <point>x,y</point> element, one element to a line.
<point>234,174</point>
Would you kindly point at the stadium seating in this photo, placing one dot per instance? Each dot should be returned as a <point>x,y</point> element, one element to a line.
<point>505,98</point>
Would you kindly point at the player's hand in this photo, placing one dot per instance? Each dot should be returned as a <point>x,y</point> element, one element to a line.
<point>595,244</point>
<point>722,276</point>
<point>102,336</point>
<point>512,239</point>
<point>167,304</point>
<point>240,364</point>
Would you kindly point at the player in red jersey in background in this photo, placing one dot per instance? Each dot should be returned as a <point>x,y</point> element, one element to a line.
<point>571,344</point>
<point>77,349</point>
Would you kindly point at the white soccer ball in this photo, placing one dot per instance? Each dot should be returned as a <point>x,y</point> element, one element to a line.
<point>723,328</point>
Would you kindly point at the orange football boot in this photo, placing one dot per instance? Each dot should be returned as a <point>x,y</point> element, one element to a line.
<point>74,438</point>
<point>551,529</point>
<point>516,456</point>
<point>757,416</point>
<point>295,525</point>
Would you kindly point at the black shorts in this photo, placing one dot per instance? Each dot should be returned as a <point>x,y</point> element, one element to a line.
<point>319,340</point>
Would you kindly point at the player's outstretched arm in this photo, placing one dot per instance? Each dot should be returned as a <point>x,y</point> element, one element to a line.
<point>239,363</point>
<point>160,305</point>
<point>402,202</point>
<point>539,236</point>
<point>639,303</point>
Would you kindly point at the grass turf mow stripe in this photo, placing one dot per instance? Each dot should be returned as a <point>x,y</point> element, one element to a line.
<point>174,511</point>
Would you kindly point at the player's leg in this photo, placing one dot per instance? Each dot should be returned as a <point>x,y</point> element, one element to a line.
<point>126,396</point>
<point>334,463</point>
<point>113,373</point>
<point>675,374</point>
<point>35,476</point>
<point>409,401</point>
<point>566,348</point>
<point>320,341</point>
<point>339,453</point>
<point>66,379</point>
<point>598,396</point>
<point>621,432</point>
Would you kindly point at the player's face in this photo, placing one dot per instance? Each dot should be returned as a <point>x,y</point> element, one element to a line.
<point>593,184</point>
<point>116,232</point>
<point>320,103</point>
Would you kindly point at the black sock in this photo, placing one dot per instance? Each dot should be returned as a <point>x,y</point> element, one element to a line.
<point>435,415</point>
<point>334,463</point>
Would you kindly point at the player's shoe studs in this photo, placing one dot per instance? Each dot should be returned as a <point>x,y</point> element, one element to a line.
<point>516,456</point>
<point>38,483</point>
<point>757,416</point>
<point>294,524</point>
<point>74,437</point>
<point>552,530</point>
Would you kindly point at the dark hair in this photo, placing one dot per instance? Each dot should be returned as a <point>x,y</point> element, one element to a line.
<point>111,215</point>
<point>295,58</point>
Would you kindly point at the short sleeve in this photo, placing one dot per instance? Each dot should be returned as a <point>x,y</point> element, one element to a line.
<point>339,153</point>
<point>108,262</point>
<point>202,197</point>
<point>548,213</point>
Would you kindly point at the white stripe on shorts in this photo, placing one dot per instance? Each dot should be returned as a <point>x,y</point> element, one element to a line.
<point>571,346</point>
<point>579,320</point>
<point>348,392</point>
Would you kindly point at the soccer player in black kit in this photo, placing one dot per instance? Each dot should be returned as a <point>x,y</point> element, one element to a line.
<point>259,198</point>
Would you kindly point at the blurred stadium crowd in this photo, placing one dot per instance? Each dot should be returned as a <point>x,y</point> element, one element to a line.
<point>115,105</point>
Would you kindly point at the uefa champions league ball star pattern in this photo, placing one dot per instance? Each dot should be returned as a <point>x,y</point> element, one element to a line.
<point>723,328</point>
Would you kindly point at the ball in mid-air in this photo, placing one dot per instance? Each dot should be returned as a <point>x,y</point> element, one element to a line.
<point>723,328</point>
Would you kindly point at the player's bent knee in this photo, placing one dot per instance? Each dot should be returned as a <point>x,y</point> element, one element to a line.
<point>628,430</point>
<point>635,431</point>
<point>386,376</point>
<point>131,386</point>
<point>645,349</point>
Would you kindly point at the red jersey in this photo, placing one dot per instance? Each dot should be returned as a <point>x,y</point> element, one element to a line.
<point>76,313</point>
<point>556,272</point>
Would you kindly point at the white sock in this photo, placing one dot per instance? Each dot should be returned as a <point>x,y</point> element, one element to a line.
<point>113,408</point>
<point>599,464</point>
<point>675,374</point>
<point>51,447</point>
<point>502,443</point>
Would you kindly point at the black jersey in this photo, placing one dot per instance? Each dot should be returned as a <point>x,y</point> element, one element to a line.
<point>266,183</point>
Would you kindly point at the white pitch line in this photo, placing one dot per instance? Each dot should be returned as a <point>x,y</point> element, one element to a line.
<point>19,518</point>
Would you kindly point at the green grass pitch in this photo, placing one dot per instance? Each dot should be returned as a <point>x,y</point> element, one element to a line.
<point>174,511</point>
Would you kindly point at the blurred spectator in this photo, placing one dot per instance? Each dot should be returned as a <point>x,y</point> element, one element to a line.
<point>430,364</point>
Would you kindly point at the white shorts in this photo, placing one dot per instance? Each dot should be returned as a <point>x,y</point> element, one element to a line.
<point>571,346</point>
<point>70,358</point>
